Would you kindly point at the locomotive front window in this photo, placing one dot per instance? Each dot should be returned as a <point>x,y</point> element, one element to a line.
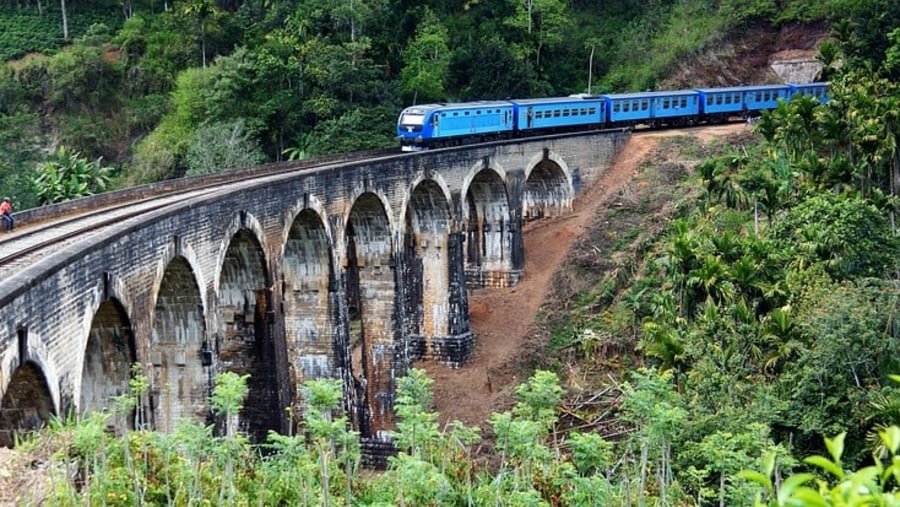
<point>412,119</point>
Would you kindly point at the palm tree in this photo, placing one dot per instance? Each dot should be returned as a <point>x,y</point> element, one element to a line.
<point>783,336</point>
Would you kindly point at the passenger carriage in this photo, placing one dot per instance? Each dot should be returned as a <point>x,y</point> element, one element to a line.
<point>628,109</point>
<point>817,90</point>
<point>653,108</point>
<point>559,113</point>
<point>720,104</point>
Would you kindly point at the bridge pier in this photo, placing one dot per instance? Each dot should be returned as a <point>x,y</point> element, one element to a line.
<point>351,272</point>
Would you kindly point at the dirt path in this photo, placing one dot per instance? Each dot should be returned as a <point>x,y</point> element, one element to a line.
<point>503,318</point>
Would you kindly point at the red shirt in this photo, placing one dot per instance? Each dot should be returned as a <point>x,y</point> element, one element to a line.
<point>5,207</point>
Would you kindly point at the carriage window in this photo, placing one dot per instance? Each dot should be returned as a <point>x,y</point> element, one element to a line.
<point>616,107</point>
<point>556,113</point>
<point>592,111</point>
<point>539,114</point>
<point>683,101</point>
<point>665,103</point>
<point>565,112</point>
<point>626,107</point>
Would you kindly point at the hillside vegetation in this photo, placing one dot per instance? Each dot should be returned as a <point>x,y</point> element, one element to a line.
<point>160,89</point>
<point>742,341</point>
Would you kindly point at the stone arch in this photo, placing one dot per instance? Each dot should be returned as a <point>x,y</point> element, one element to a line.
<point>245,339</point>
<point>548,188</point>
<point>26,405</point>
<point>108,356</point>
<point>307,295</point>
<point>178,353</point>
<point>426,262</point>
<point>370,292</point>
<point>488,229</point>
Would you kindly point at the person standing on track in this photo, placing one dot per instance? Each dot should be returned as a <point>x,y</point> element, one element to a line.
<point>6,213</point>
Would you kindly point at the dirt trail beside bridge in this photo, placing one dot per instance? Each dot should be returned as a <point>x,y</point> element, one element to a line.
<point>503,319</point>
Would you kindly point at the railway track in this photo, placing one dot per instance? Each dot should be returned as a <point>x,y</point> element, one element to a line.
<point>33,241</point>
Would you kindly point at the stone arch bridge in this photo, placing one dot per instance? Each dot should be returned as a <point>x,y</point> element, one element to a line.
<point>352,271</point>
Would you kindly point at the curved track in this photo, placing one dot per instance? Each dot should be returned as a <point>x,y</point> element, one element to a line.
<point>31,242</point>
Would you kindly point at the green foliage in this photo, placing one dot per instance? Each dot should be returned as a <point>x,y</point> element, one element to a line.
<point>488,69</point>
<point>221,147</point>
<point>850,236</point>
<point>870,485</point>
<point>156,50</point>
<point>26,29</point>
<point>68,176</point>
<point>427,61</point>
<point>540,25</point>
<point>354,131</point>
<point>19,139</point>
<point>646,47</point>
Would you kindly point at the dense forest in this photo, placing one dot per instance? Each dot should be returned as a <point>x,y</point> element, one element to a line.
<point>99,94</point>
<point>760,324</point>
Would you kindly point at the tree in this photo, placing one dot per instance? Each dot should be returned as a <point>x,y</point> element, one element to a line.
<point>487,69</point>
<point>542,22</point>
<point>222,147</point>
<point>205,15</point>
<point>427,61</point>
<point>849,236</point>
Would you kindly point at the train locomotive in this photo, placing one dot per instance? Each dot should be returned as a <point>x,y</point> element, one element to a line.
<point>439,125</point>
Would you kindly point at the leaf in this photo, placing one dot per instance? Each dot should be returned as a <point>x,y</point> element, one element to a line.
<point>826,464</point>
<point>891,438</point>
<point>836,446</point>
<point>791,484</point>
<point>808,498</point>
<point>754,476</point>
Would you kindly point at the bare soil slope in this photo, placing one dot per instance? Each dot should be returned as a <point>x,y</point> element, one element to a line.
<point>504,320</point>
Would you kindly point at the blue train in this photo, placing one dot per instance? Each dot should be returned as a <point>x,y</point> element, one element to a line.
<point>437,125</point>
